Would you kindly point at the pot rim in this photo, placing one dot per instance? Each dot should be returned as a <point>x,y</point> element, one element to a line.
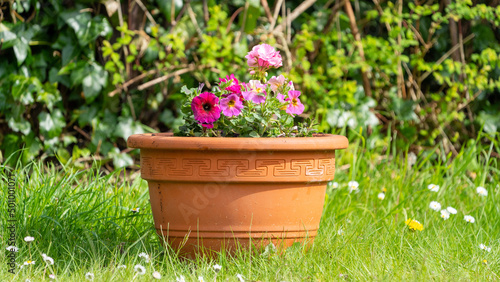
<point>167,141</point>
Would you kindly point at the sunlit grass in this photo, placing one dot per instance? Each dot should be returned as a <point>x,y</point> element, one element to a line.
<point>83,220</point>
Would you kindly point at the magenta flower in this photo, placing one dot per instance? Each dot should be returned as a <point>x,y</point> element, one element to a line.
<point>231,106</point>
<point>294,106</point>
<point>206,109</point>
<point>235,86</point>
<point>264,56</point>
<point>276,82</point>
<point>255,92</point>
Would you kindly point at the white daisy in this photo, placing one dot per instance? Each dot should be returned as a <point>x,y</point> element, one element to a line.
<point>433,187</point>
<point>141,270</point>
<point>52,276</point>
<point>200,279</point>
<point>121,266</point>
<point>47,259</point>
<point>180,279</point>
<point>89,276</point>
<point>144,256</point>
<point>412,159</point>
<point>217,268</point>
<point>469,219</point>
<point>482,191</point>
<point>340,232</point>
<point>156,275</point>
<point>451,210</point>
<point>353,186</point>
<point>381,196</point>
<point>12,249</point>
<point>27,280</point>
<point>29,262</point>
<point>484,247</point>
<point>435,206</point>
<point>445,214</point>
<point>335,185</point>
<point>240,277</point>
<point>135,210</point>
<point>29,239</point>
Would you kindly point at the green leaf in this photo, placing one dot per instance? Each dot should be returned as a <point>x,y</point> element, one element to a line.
<point>120,160</point>
<point>20,125</point>
<point>10,145</point>
<point>52,124</point>
<point>86,28</point>
<point>404,109</point>
<point>127,127</point>
<point>8,36</point>
<point>21,49</point>
<point>254,134</point>
<point>94,83</point>
<point>165,8</point>
<point>63,155</point>
<point>252,14</point>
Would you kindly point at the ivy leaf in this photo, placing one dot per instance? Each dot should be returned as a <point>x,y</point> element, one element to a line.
<point>20,125</point>
<point>166,6</point>
<point>8,36</point>
<point>404,109</point>
<point>94,82</point>
<point>120,160</point>
<point>254,134</point>
<point>127,127</point>
<point>86,28</point>
<point>52,124</point>
<point>21,49</point>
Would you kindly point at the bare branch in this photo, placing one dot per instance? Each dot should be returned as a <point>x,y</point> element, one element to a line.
<point>165,77</point>
<point>192,16</point>
<point>267,10</point>
<point>275,14</point>
<point>297,12</point>
<point>357,38</point>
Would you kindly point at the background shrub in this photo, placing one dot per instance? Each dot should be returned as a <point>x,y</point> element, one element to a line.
<point>78,77</point>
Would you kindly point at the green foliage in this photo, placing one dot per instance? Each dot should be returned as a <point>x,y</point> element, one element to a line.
<point>74,73</point>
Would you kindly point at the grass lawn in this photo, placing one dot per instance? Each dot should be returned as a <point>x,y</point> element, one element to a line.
<point>83,220</point>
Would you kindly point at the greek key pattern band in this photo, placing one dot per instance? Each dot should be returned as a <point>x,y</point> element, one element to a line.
<point>236,168</point>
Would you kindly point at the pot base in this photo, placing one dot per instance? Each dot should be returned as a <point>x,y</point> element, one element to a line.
<point>197,217</point>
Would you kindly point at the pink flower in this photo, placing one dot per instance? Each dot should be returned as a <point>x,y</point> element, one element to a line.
<point>206,109</point>
<point>264,56</point>
<point>294,106</point>
<point>234,87</point>
<point>255,91</point>
<point>276,82</point>
<point>281,97</point>
<point>231,106</point>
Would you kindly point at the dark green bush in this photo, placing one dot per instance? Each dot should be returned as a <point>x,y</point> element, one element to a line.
<point>78,77</point>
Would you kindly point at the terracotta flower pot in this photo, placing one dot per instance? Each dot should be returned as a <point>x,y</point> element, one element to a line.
<point>215,193</point>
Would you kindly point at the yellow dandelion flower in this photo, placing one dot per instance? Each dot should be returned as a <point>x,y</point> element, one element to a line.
<point>485,261</point>
<point>384,190</point>
<point>414,225</point>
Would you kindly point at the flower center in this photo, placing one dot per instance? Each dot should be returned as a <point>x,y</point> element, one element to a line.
<point>294,102</point>
<point>259,90</point>
<point>207,107</point>
<point>231,103</point>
